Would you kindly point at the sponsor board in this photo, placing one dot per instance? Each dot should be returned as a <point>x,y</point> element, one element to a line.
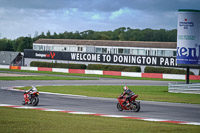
<point>102,58</point>
<point>188,37</point>
<point>51,55</point>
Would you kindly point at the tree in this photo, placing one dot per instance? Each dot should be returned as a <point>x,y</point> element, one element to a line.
<point>9,46</point>
<point>122,33</point>
<point>42,35</point>
<point>36,34</point>
<point>24,43</point>
<point>3,43</point>
<point>48,35</point>
<point>55,36</point>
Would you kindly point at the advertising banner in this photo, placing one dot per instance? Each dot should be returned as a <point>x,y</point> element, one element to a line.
<point>101,58</point>
<point>188,38</point>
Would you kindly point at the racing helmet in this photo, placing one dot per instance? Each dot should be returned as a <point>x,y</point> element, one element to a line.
<point>125,88</point>
<point>34,88</point>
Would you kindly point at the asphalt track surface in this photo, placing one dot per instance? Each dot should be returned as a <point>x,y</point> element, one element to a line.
<point>83,82</point>
<point>99,81</point>
<point>156,110</point>
<point>149,109</point>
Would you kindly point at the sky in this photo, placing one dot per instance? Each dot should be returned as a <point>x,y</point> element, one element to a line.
<point>28,17</point>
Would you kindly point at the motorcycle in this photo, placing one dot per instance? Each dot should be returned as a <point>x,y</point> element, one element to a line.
<point>34,99</point>
<point>133,104</point>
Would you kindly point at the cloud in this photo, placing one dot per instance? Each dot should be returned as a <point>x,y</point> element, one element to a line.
<point>23,17</point>
<point>120,12</point>
<point>98,17</point>
<point>102,5</point>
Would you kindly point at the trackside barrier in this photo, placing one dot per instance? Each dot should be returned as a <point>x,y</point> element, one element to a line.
<point>184,88</point>
<point>4,67</point>
<point>44,69</point>
<point>29,68</point>
<point>115,73</point>
<point>194,77</point>
<point>15,67</point>
<point>131,74</point>
<point>100,72</point>
<point>82,71</point>
<point>60,70</point>
<point>152,75</point>
<point>173,76</point>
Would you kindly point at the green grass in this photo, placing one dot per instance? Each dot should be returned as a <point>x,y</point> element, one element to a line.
<point>43,78</point>
<point>102,76</point>
<point>36,121</point>
<point>149,93</point>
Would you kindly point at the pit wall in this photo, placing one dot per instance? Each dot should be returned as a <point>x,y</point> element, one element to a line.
<point>101,72</point>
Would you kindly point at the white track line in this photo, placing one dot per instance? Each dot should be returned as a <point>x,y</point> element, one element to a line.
<point>82,113</point>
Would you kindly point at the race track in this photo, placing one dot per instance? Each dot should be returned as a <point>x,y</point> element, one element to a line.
<point>149,109</point>
<point>156,110</point>
<point>99,81</point>
<point>83,82</point>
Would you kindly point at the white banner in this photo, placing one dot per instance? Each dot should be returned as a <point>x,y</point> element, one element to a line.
<point>188,37</point>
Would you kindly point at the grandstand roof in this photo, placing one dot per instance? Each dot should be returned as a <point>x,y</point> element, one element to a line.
<point>147,44</point>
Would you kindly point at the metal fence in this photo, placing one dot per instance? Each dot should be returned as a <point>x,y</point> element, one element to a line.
<point>193,88</point>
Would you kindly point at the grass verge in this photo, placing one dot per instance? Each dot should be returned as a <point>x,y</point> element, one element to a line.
<point>19,121</point>
<point>101,76</point>
<point>44,78</point>
<point>149,93</point>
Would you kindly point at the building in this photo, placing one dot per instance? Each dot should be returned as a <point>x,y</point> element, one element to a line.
<point>167,49</point>
<point>140,53</point>
<point>11,58</point>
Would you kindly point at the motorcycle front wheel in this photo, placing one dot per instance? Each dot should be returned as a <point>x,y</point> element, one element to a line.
<point>119,107</point>
<point>136,106</point>
<point>23,102</point>
<point>35,101</point>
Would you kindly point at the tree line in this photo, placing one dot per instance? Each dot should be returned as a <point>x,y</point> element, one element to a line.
<point>122,34</point>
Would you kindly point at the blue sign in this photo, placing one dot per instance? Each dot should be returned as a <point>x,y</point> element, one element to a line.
<point>188,55</point>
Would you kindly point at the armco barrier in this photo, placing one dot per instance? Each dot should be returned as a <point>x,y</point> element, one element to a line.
<point>152,75</point>
<point>184,88</point>
<point>115,73</point>
<point>100,72</point>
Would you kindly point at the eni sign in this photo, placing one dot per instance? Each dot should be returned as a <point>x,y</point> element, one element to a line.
<point>188,38</point>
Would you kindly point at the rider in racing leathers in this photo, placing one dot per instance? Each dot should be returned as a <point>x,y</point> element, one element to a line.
<point>32,90</point>
<point>128,92</point>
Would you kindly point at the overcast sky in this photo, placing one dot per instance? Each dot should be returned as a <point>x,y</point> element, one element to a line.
<point>24,17</point>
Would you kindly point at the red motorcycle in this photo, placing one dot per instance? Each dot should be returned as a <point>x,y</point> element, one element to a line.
<point>34,98</point>
<point>133,105</point>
